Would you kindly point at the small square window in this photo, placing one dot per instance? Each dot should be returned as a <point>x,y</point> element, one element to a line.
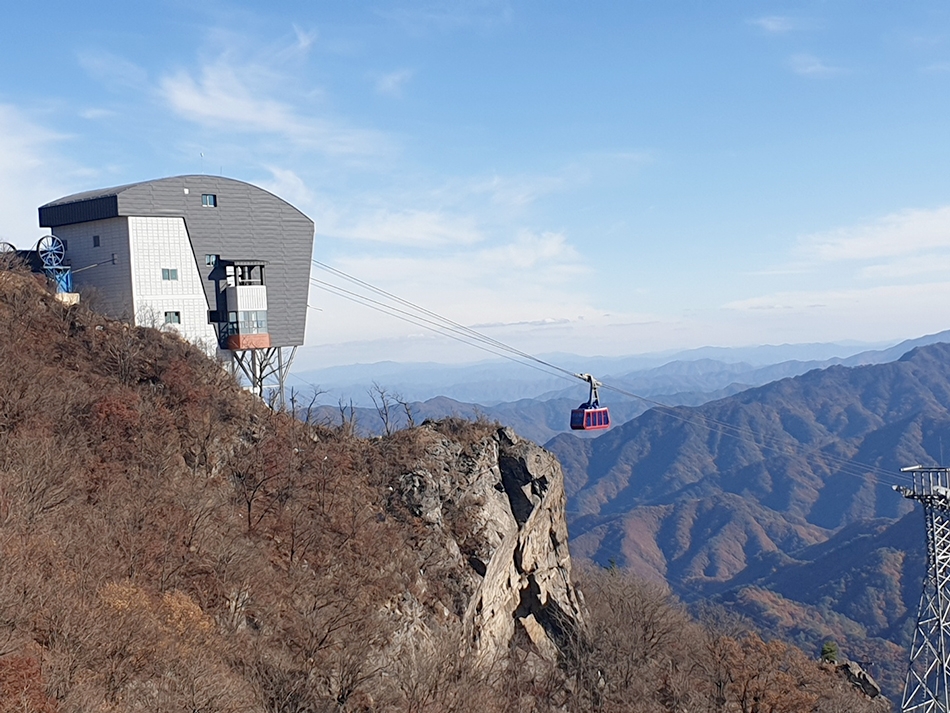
<point>173,318</point>
<point>209,200</point>
<point>211,259</point>
<point>169,273</point>
<point>95,241</point>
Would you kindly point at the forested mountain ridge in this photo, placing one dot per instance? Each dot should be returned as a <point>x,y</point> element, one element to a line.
<point>812,451</point>
<point>168,543</point>
<point>777,499</point>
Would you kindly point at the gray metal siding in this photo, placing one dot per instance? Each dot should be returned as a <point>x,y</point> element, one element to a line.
<point>52,216</point>
<point>110,284</point>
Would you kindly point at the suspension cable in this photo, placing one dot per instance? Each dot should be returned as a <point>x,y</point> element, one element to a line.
<point>446,331</point>
<point>428,319</point>
<point>467,330</point>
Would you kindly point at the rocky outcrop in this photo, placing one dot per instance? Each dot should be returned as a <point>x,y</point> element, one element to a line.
<point>859,678</point>
<point>495,509</point>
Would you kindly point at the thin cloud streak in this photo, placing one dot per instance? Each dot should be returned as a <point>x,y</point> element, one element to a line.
<point>392,84</point>
<point>412,228</point>
<point>808,65</point>
<point>906,232</point>
<point>305,39</point>
<point>863,304</point>
<point>450,16</point>
<point>774,24</point>
<point>221,98</point>
<point>113,71</point>
<point>28,163</point>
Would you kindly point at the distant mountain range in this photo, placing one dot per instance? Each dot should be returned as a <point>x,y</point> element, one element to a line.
<point>777,500</point>
<point>537,405</point>
<point>766,487</point>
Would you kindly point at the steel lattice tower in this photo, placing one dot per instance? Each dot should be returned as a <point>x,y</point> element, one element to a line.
<point>927,686</point>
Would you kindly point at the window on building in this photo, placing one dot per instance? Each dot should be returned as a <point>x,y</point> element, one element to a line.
<point>245,275</point>
<point>95,241</point>
<point>211,259</point>
<point>251,322</point>
<point>209,200</point>
<point>169,273</point>
<point>173,318</point>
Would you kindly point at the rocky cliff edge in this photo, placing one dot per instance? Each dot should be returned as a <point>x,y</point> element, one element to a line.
<point>495,511</point>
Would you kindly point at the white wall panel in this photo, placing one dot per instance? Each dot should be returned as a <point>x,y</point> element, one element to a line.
<point>158,244</point>
<point>246,298</point>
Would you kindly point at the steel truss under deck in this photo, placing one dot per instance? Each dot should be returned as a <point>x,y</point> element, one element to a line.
<point>263,370</point>
<point>927,688</point>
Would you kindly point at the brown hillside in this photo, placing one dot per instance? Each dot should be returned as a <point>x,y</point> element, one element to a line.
<point>167,543</point>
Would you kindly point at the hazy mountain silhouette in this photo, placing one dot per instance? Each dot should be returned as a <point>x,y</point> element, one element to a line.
<point>537,405</point>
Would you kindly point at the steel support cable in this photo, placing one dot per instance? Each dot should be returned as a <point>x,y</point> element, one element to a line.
<point>425,323</point>
<point>445,320</point>
<point>467,335</point>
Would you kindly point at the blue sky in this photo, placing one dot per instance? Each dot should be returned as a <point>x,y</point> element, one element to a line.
<point>599,178</point>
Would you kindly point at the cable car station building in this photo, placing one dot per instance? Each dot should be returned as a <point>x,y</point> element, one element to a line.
<point>224,263</point>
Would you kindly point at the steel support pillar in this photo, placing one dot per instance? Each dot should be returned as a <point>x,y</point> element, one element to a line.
<point>263,370</point>
<point>927,686</point>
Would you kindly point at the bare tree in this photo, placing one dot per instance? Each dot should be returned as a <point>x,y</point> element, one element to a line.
<point>383,402</point>
<point>407,409</point>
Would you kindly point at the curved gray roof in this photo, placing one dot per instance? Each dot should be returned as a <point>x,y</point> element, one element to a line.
<point>100,193</point>
<point>160,196</point>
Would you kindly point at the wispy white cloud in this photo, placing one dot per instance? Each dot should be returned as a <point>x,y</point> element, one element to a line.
<point>531,250</point>
<point>227,96</point>
<point>904,233</point>
<point>913,266</point>
<point>529,282</point>
<point>518,190</point>
<point>411,227</point>
<point>908,308</point>
<point>539,258</point>
<point>112,70</point>
<point>31,173</point>
<point>392,84</point>
<point>288,185</point>
<point>809,65</point>
<point>774,24</point>
<point>937,68</point>
<point>95,113</point>
<point>452,15</point>
<point>305,38</point>
<point>888,278</point>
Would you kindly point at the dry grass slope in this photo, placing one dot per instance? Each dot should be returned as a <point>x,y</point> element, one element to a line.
<point>167,543</point>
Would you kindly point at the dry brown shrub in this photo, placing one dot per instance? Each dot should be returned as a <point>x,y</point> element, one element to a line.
<point>22,688</point>
<point>167,543</point>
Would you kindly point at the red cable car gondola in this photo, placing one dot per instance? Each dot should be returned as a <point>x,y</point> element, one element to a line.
<point>590,416</point>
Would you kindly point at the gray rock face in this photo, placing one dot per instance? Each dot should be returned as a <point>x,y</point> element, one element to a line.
<point>496,511</point>
<point>860,678</point>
